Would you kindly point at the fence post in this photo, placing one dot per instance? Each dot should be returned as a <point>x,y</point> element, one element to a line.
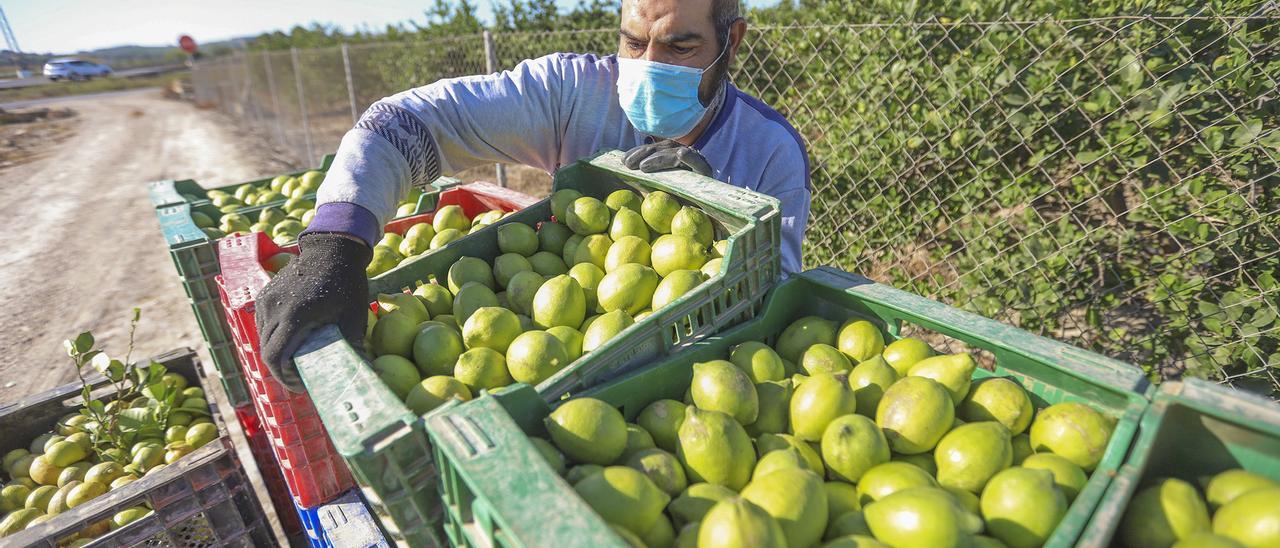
<point>351,87</point>
<point>275,99</point>
<point>302,107</point>
<point>491,66</point>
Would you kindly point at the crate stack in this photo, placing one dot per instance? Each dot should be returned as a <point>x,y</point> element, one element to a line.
<point>178,204</point>
<point>204,499</point>
<point>314,473</point>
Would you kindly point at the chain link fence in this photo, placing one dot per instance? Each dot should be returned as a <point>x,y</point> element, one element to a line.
<point>1109,182</point>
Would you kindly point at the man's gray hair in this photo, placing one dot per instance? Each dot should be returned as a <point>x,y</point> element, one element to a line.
<point>724,13</point>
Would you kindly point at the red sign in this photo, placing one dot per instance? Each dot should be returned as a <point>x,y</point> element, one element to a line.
<point>187,43</point>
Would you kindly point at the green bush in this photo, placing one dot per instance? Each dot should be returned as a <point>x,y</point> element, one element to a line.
<point>1112,182</point>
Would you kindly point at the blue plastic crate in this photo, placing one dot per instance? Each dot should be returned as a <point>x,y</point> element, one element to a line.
<point>346,521</point>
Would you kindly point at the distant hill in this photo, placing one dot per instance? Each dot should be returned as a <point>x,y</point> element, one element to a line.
<point>118,57</point>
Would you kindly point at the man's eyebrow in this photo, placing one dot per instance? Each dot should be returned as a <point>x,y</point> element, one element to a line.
<point>667,39</point>
<point>682,37</point>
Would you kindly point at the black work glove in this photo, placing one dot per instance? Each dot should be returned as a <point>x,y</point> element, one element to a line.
<point>325,284</point>
<point>664,155</point>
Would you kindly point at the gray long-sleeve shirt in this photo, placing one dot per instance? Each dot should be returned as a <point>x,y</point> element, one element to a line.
<point>545,113</point>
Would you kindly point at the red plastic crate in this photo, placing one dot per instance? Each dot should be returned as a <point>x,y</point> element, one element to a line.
<point>260,448</point>
<point>312,469</point>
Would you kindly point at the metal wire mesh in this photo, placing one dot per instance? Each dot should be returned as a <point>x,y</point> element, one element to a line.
<point>1109,182</point>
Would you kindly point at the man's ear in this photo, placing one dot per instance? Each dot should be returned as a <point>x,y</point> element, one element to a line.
<point>737,31</point>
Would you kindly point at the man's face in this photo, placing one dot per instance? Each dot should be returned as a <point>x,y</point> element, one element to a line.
<point>675,32</point>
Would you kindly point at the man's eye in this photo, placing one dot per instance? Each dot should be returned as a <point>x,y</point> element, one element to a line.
<point>681,51</point>
<point>635,46</point>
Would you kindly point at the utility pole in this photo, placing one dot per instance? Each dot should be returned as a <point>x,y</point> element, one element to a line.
<point>11,41</point>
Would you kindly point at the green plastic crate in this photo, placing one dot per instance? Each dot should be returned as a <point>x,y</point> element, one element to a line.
<point>171,192</point>
<point>386,445</point>
<point>1192,429</point>
<point>195,256</point>
<point>499,492</point>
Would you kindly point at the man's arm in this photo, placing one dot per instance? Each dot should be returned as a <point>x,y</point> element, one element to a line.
<point>411,138</point>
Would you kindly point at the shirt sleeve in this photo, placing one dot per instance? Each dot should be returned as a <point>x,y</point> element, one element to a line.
<point>414,137</point>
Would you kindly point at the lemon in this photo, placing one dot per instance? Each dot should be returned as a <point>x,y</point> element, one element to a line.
<point>629,223</point>
<point>605,328</point>
<point>735,522</point>
<point>560,301</point>
<point>560,201</point>
<point>619,200</point>
<point>548,264</point>
<point>482,369</point>
<point>759,361</point>
<point>673,252</point>
<point>593,249</point>
<point>469,298</point>
<point>436,348</point>
<point>535,356</point>
<point>587,215</point>
<point>674,286</point>
<point>588,430</point>
<point>588,276</point>
<point>624,497</point>
<point>570,338</point>
<point>450,217</point>
<point>490,327</point>
<point>517,238</point>
<point>692,223</point>
<point>905,352</point>
<point>629,287</point>
<point>1074,431</point>
<point>658,210</point>
<point>444,237</point>
<point>397,372</point>
<point>433,392</point>
<point>627,250</point>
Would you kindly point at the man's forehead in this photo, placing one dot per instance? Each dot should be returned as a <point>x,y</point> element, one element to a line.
<point>668,17</point>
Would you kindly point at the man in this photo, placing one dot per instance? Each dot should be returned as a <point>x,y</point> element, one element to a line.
<point>665,98</point>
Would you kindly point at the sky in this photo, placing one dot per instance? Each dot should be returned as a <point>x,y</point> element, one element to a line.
<point>66,26</point>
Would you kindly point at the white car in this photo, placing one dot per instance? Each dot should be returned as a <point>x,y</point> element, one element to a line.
<point>74,69</point>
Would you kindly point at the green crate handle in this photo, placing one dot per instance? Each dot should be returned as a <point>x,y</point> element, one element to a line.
<point>358,398</point>
<point>980,331</point>
<point>1247,408</point>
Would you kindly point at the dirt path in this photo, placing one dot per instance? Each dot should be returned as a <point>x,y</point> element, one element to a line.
<point>82,245</point>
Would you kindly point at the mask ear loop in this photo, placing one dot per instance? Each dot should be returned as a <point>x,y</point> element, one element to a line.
<point>723,51</point>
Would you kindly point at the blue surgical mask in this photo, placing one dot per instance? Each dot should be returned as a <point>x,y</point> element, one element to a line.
<point>661,99</point>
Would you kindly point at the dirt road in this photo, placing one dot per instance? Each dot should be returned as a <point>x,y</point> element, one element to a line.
<point>81,241</point>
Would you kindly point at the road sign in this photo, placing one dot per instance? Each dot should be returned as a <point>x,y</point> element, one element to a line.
<point>187,43</point>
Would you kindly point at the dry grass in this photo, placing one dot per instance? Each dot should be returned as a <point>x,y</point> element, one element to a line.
<point>62,89</point>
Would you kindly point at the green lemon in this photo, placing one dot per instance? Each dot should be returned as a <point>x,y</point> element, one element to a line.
<point>587,215</point>
<point>436,349</point>
<point>535,356</point>
<point>629,223</point>
<point>624,199</point>
<point>673,252</point>
<point>518,238</point>
<point>560,201</point>
<point>658,210</point>
<point>630,287</point>
<point>491,327</point>
<point>627,250</point>
<point>552,237</point>
<point>560,301</point>
<point>433,392</point>
<point>588,430</point>
<point>482,369</point>
<point>675,285</point>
